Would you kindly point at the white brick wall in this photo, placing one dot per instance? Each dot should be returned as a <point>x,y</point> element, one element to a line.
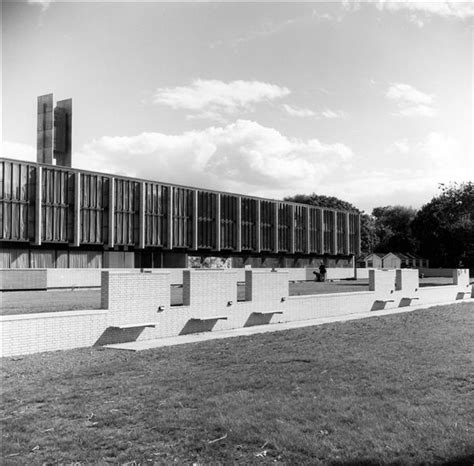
<point>72,278</point>
<point>135,298</point>
<point>22,279</point>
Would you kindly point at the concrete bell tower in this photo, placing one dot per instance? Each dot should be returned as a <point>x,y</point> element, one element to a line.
<point>54,131</point>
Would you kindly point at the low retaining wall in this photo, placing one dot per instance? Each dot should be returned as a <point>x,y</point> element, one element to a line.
<point>134,301</point>
<point>363,273</point>
<point>431,272</point>
<point>22,279</point>
<point>73,278</point>
<point>34,333</point>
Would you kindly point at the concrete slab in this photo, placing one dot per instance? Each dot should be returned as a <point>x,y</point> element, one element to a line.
<point>239,332</point>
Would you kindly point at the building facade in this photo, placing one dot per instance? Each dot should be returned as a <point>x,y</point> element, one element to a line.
<point>56,216</point>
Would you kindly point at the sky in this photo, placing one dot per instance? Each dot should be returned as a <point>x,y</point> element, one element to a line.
<point>370,102</point>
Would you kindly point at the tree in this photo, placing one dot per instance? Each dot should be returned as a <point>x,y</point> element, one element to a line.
<point>368,234</point>
<point>445,226</point>
<point>393,229</point>
<point>318,200</point>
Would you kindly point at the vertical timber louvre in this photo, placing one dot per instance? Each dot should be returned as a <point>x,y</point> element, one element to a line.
<point>207,207</point>
<point>57,201</point>
<point>94,199</point>
<point>285,223</point>
<point>228,222</point>
<point>182,218</point>
<point>248,224</point>
<point>267,225</point>
<point>17,201</point>
<point>127,195</point>
<point>156,214</point>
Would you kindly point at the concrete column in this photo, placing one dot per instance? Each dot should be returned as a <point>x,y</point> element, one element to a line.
<point>170,218</point>
<point>323,231</point>
<point>218,222</point>
<point>358,236</point>
<point>258,227</point>
<point>111,212</point>
<point>308,233</point>
<point>77,209</point>
<point>141,216</point>
<point>292,228</point>
<point>38,202</point>
<point>239,224</point>
<point>276,249</point>
<point>195,219</point>
<point>335,231</point>
<point>346,234</point>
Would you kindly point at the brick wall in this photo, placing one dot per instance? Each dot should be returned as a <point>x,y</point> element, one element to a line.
<point>461,277</point>
<point>34,333</point>
<point>22,279</point>
<point>433,272</point>
<point>72,278</point>
<point>139,298</point>
<point>363,273</point>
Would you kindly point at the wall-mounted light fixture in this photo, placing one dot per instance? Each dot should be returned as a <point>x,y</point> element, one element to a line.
<point>160,308</point>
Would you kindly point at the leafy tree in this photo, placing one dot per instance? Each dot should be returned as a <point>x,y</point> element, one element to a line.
<point>445,226</point>
<point>368,234</point>
<point>318,200</point>
<point>393,229</point>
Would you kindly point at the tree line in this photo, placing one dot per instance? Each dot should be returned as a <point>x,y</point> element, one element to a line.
<point>441,230</point>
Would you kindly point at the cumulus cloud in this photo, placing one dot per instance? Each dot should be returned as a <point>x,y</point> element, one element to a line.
<point>410,101</point>
<point>243,157</point>
<point>213,98</point>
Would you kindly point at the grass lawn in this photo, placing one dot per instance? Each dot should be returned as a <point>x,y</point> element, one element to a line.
<point>27,302</point>
<point>396,389</point>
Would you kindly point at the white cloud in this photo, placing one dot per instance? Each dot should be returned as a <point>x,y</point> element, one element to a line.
<point>446,9</point>
<point>418,110</point>
<point>15,150</point>
<point>299,112</point>
<point>432,154</point>
<point>419,12</point>
<point>242,157</point>
<point>408,94</point>
<point>334,114</point>
<point>212,98</point>
<point>409,173</point>
<point>43,3</point>
<point>410,101</point>
<point>307,113</point>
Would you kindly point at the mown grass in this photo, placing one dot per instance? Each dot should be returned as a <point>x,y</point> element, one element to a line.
<point>27,302</point>
<point>396,389</point>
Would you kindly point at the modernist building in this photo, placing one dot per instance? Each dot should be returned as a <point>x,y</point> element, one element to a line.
<point>57,216</point>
